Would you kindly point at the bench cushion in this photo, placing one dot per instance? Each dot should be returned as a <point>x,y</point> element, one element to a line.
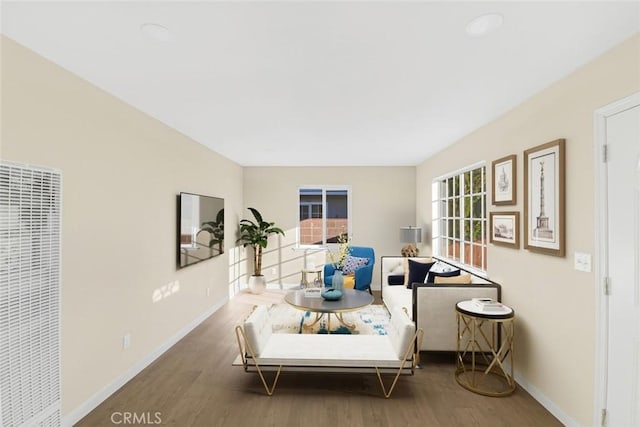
<point>329,350</point>
<point>400,331</point>
<point>258,329</point>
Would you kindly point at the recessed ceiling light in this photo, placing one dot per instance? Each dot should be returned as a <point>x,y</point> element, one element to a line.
<point>484,24</point>
<point>155,31</point>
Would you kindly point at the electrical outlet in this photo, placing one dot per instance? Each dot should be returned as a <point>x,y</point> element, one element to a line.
<point>126,341</point>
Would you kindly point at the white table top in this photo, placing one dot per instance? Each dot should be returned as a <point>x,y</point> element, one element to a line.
<point>471,308</point>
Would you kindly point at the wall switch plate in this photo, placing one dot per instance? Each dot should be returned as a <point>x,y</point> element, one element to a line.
<point>208,291</point>
<point>126,341</point>
<point>582,261</point>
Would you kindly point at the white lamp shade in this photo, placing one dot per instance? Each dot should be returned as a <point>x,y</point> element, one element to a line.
<point>410,234</point>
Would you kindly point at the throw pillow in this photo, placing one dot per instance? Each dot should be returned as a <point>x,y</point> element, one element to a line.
<point>395,279</point>
<point>463,279</point>
<point>432,275</point>
<point>351,263</point>
<point>440,266</point>
<point>406,266</point>
<point>349,282</point>
<point>417,271</point>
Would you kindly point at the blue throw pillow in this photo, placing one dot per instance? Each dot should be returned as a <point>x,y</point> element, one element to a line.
<point>395,279</point>
<point>351,263</point>
<point>418,271</point>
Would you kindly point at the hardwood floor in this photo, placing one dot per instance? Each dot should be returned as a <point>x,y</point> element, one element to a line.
<point>194,384</point>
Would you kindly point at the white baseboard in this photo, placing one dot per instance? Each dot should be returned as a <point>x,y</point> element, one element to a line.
<point>548,404</point>
<point>89,405</point>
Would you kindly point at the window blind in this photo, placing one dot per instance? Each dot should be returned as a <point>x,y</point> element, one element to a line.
<point>30,221</point>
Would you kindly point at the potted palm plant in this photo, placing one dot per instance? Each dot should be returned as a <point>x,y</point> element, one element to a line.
<point>255,234</point>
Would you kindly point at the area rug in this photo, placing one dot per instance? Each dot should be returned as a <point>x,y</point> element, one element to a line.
<point>371,320</point>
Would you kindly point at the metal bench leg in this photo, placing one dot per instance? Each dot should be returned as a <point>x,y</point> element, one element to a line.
<point>416,340</point>
<point>240,332</point>
<point>386,393</point>
<point>264,381</point>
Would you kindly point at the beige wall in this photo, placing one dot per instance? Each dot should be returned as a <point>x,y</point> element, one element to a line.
<point>383,200</point>
<point>554,304</point>
<point>121,172</point>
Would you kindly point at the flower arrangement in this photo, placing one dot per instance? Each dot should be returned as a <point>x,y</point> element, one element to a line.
<point>337,258</point>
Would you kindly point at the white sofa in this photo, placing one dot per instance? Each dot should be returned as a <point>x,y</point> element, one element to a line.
<point>432,306</point>
<point>261,350</point>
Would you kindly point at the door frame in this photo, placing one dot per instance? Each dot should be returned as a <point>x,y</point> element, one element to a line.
<point>602,251</point>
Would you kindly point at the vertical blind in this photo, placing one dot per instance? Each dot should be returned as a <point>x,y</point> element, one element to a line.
<point>30,220</point>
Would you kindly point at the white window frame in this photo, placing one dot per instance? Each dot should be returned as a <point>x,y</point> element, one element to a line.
<point>324,189</point>
<point>441,218</point>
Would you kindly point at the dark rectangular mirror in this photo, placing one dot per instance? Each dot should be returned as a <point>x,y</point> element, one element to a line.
<point>200,228</point>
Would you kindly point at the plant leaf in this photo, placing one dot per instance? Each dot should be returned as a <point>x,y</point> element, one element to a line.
<point>256,215</point>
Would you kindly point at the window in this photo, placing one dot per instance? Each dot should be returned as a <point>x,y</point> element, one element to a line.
<point>323,215</point>
<point>459,213</point>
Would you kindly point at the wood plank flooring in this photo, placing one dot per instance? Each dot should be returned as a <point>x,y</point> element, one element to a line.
<point>194,384</point>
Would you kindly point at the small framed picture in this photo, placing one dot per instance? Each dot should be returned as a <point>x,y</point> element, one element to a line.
<point>503,176</point>
<point>544,202</point>
<point>505,229</point>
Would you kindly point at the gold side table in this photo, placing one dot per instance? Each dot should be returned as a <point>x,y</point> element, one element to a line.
<point>485,349</point>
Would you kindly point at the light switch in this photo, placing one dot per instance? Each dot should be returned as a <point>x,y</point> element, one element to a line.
<point>582,261</point>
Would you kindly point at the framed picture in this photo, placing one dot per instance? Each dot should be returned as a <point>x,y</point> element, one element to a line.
<point>503,176</point>
<point>544,198</point>
<point>505,229</point>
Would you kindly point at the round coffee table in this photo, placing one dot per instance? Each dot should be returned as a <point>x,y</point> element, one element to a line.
<point>352,300</point>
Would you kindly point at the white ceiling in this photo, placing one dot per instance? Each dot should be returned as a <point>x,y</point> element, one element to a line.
<point>298,83</point>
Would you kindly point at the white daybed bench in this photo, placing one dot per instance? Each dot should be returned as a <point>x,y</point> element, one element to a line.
<point>262,351</point>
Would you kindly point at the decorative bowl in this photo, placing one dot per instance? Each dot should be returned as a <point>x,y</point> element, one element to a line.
<point>332,294</point>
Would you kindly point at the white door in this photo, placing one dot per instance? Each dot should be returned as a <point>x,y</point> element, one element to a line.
<point>623,223</point>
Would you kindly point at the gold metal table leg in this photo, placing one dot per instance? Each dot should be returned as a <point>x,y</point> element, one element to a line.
<point>350,326</point>
<point>486,372</point>
<point>307,327</point>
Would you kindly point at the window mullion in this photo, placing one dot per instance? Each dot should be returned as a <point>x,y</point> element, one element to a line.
<point>324,216</point>
<point>461,206</point>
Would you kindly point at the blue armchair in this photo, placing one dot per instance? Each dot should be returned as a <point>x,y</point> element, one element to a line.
<point>363,275</point>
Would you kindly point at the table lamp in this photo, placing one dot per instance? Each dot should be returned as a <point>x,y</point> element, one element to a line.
<point>410,235</point>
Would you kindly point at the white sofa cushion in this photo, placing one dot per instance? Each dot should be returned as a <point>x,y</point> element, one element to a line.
<point>398,297</point>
